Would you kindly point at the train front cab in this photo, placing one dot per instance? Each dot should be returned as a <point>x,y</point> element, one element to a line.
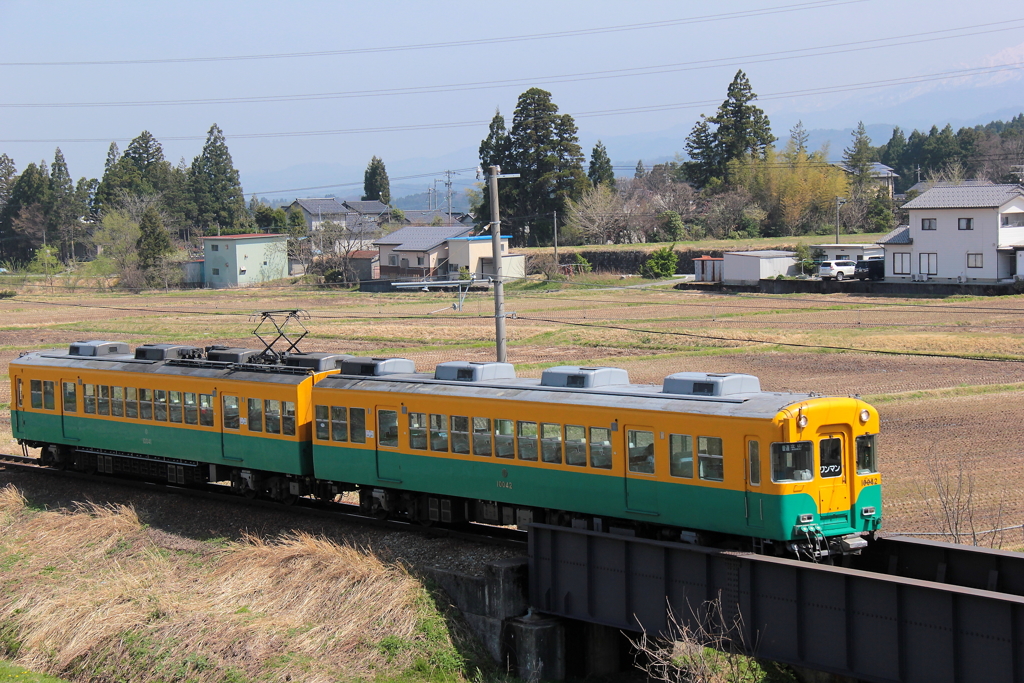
<point>826,472</point>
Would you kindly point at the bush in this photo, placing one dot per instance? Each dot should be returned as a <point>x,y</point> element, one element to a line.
<point>661,263</point>
<point>579,263</point>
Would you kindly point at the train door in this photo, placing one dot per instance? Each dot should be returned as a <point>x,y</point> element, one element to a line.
<point>753,503</point>
<point>70,408</point>
<point>641,480</point>
<point>231,443</point>
<point>834,476</point>
<point>389,467</point>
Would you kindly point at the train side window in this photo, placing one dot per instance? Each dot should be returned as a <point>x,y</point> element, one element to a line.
<point>754,456</point>
<point>710,458</point>
<point>272,414</point>
<point>792,461</point>
<point>48,395</point>
<point>357,425</point>
<point>131,402</point>
<point>575,445</point>
<point>551,443</point>
<point>439,433</point>
<point>482,436</point>
<point>35,387</point>
<point>160,405</point>
<point>174,406</point>
<point>600,448</point>
<point>504,439</point>
<point>830,454</point>
<point>146,404</point>
<point>867,461</point>
<point>288,418</point>
<point>418,431</point>
<point>103,399</point>
<point>89,398</point>
<point>206,410</point>
<point>641,451</point>
<point>387,428</point>
<point>231,420</point>
<point>21,394</point>
<point>117,401</point>
<point>460,435</point>
<point>323,422</point>
<point>528,441</point>
<point>339,423</point>
<point>191,408</point>
<point>254,414</point>
<point>680,455</point>
<point>70,397</point>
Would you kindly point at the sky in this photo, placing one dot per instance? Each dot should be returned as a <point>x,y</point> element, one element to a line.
<point>307,93</point>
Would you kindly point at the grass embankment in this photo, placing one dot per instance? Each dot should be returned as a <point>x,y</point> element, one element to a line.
<point>93,594</point>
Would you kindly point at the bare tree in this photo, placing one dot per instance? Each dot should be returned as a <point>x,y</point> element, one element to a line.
<point>596,218</point>
<point>952,481</point>
<point>708,647</point>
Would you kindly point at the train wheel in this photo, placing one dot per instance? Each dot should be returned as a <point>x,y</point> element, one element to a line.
<point>289,499</point>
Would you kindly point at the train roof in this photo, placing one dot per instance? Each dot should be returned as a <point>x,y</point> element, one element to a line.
<point>761,404</point>
<point>207,369</point>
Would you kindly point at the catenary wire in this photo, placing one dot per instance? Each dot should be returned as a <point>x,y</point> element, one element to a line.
<point>824,90</point>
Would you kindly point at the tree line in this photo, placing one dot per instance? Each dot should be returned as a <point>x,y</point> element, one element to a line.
<point>144,215</point>
<point>735,179</point>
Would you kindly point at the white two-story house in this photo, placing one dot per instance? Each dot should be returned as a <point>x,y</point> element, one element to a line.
<point>959,233</point>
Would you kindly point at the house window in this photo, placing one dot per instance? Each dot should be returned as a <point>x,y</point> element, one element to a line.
<point>264,263</point>
<point>216,271</point>
<point>842,257</point>
<point>929,224</point>
<point>974,261</point>
<point>419,260</point>
<point>901,263</point>
<point>965,223</point>
<point>214,247</point>
<point>393,259</point>
<point>928,264</point>
<point>1012,220</point>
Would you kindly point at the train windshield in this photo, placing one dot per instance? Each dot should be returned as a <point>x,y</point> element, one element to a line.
<point>867,458</point>
<point>792,461</point>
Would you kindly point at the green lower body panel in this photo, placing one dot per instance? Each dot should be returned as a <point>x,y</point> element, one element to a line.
<point>167,441</point>
<point>681,505</point>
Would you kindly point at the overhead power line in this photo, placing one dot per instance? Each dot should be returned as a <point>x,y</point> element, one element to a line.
<point>808,92</point>
<point>622,28</point>
<point>741,60</point>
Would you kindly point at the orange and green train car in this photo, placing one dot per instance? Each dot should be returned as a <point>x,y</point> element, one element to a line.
<point>706,458</point>
<point>170,412</point>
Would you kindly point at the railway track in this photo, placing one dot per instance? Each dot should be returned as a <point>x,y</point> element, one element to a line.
<point>478,533</point>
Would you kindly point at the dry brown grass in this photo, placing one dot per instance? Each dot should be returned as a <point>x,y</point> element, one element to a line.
<point>90,594</point>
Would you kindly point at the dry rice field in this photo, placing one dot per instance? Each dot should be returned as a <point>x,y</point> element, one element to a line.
<point>947,374</point>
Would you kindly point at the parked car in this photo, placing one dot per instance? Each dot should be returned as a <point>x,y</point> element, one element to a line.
<point>840,270</point>
<point>870,269</point>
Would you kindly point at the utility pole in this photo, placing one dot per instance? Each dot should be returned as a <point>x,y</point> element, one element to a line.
<point>839,202</point>
<point>499,288</point>
<point>554,215</point>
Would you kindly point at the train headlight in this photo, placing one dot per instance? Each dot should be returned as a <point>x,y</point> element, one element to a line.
<point>867,511</point>
<point>805,519</point>
<point>864,416</point>
<point>801,421</point>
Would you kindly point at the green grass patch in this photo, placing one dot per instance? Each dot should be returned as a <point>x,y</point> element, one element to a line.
<point>13,672</point>
<point>952,392</point>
